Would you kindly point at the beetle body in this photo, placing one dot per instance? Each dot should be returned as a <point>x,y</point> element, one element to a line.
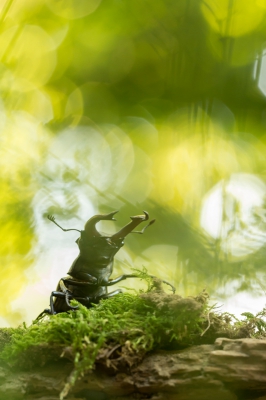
<point>89,275</point>
<point>96,257</point>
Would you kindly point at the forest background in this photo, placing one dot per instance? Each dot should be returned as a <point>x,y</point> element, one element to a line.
<point>134,105</point>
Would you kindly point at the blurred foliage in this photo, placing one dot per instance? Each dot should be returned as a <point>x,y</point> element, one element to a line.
<point>128,105</point>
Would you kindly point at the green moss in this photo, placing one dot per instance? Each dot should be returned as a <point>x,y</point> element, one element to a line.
<point>119,331</point>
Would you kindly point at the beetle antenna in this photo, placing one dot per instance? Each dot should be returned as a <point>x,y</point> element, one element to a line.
<point>145,227</point>
<point>52,218</point>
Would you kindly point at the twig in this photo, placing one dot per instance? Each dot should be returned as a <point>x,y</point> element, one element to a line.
<point>209,324</point>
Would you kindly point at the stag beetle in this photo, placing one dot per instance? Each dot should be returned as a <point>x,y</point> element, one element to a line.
<point>89,275</point>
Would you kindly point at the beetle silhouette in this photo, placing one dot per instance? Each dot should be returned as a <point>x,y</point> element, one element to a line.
<point>89,274</point>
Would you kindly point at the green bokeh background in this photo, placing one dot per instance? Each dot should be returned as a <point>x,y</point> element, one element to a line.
<point>131,105</point>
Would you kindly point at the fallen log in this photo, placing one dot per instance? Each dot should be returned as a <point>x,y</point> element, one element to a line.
<point>229,369</point>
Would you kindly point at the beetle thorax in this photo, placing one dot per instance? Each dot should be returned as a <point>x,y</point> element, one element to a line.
<point>98,250</point>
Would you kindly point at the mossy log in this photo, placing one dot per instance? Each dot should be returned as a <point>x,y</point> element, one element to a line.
<point>229,369</point>
<point>151,345</point>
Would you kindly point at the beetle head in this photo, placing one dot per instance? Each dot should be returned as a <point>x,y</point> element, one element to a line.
<point>91,231</point>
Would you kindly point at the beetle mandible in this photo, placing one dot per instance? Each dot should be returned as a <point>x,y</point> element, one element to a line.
<point>89,274</point>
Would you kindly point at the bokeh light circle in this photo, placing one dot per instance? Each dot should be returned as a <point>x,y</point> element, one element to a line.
<point>71,9</point>
<point>233,19</point>
<point>229,212</point>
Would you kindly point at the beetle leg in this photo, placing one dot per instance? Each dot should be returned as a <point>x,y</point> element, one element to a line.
<point>52,218</point>
<point>107,295</point>
<point>67,294</point>
<point>51,311</point>
<point>145,227</point>
<point>46,311</point>
<point>55,294</point>
<point>125,276</point>
<point>119,279</point>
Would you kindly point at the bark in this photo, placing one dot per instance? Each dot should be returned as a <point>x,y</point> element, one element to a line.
<point>227,370</point>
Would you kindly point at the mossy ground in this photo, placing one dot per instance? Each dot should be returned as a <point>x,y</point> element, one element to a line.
<point>118,332</point>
